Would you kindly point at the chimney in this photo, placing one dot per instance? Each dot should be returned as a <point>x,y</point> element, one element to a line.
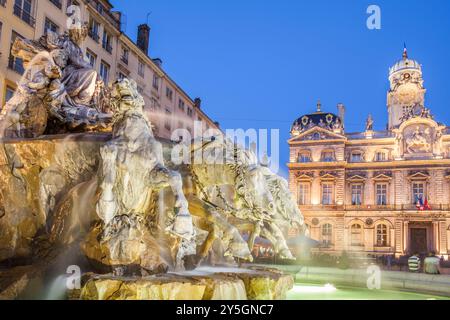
<point>198,103</point>
<point>143,38</point>
<point>158,62</point>
<point>341,110</point>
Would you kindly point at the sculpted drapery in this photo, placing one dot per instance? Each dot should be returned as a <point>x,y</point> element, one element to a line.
<point>59,87</point>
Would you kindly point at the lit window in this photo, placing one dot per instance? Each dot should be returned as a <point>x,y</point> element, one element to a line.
<point>50,25</point>
<point>155,82</point>
<point>327,194</point>
<point>141,69</point>
<point>327,234</point>
<point>107,42</point>
<point>418,192</point>
<point>381,194</point>
<point>125,55</point>
<point>356,157</point>
<point>169,93</point>
<point>356,235</point>
<point>357,191</point>
<point>92,58</point>
<point>94,30</point>
<point>14,63</point>
<point>328,156</point>
<point>382,235</point>
<point>167,122</point>
<point>381,156</point>
<point>304,157</point>
<point>104,72</point>
<point>304,194</point>
<point>181,105</point>
<point>9,93</point>
<point>23,9</point>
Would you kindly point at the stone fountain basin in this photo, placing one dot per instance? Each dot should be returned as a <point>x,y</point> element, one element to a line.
<point>202,284</point>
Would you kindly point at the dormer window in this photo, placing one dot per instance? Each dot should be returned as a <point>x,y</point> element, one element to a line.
<point>328,156</point>
<point>304,157</point>
<point>381,156</point>
<point>356,156</point>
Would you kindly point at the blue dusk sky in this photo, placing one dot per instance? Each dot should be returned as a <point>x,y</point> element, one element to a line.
<point>262,64</point>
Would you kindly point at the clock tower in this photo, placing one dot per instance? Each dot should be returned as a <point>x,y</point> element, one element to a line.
<point>406,93</point>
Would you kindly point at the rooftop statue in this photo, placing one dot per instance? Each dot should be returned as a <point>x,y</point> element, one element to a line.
<point>369,123</point>
<point>59,92</point>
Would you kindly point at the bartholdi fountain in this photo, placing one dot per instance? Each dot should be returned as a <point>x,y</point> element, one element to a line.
<point>85,183</point>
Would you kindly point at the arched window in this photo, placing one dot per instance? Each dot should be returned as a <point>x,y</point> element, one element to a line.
<point>327,234</point>
<point>356,156</point>
<point>382,235</point>
<point>328,156</point>
<point>304,157</point>
<point>356,235</point>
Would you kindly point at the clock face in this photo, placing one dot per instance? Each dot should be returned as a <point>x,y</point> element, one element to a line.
<point>407,95</point>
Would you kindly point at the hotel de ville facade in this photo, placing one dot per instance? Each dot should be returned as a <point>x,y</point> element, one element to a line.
<point>375,192</point>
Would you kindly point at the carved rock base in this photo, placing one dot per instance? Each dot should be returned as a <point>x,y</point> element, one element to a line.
<point>245,285</point>
<point>132,250</point>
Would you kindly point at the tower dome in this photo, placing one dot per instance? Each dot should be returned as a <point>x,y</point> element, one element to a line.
<point>405,64</point>
<point>406,89</point>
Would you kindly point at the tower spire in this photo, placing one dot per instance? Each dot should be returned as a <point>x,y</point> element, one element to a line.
<point>405,52</point>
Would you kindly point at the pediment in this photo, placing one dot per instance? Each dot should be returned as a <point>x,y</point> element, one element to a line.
<point>356,178</point>
<point>316,134</point>
<point>327,177</point>
<point>382,177</point>
<point>419,176</point>
<point>304,177</point>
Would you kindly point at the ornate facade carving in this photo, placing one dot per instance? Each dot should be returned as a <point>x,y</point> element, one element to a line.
<point>398,181</point>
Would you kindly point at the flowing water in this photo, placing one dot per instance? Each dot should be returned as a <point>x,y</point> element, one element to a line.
<point>206,271</point>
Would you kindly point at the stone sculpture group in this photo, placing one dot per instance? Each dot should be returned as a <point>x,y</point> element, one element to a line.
<point>141,214</point>
<point>58,87</point>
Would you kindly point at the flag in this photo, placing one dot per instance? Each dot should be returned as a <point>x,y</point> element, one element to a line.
<point>426,205</point>
<point>419,203</point>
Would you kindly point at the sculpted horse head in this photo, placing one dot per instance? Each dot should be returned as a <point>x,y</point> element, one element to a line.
<point>287,212</point>
<point>227,164</point>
